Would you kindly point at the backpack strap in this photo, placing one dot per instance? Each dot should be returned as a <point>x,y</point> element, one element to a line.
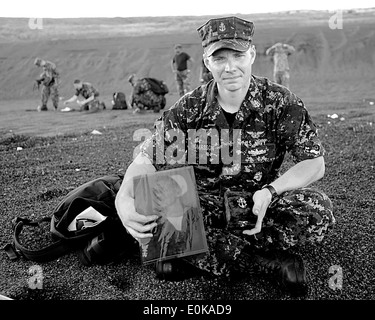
<point>99,193</point>
<point>47,253</point>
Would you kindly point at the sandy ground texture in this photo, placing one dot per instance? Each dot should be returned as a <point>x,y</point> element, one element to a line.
<point>36,172</point>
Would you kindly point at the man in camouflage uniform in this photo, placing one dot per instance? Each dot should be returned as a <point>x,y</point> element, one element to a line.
<point>89,93</point>
<point>254,215</point>
<point>181,69</point>
<point>280,53</point>
<point>50,81</point>
<point>142,97</point>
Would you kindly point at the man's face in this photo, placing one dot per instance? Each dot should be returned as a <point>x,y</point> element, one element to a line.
<point>231,69</point>
<point>177,50</point>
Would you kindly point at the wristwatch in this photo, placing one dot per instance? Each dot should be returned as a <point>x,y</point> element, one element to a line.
<point>271,189</point>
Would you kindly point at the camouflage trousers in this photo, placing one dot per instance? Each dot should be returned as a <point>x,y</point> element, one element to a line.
<point>91,107</point>
<point>294,218</point>
<point>50,91</point>
<point>282,77</point>
<point>146,100</point>
<point>183,82</point>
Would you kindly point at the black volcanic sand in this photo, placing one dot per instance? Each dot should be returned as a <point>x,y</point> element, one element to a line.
<point>36,178</point>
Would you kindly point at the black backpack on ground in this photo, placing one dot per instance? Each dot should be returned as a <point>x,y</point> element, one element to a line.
<point>119,101</point>
<point>102,243</point>
<point>158,86</point>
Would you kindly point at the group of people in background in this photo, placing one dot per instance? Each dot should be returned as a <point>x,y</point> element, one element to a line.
<point>143,97</point>
<point>50,81</point>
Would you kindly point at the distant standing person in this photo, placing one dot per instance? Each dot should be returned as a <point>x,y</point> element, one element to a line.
<point>205,75</point>
<point>181,69</point>
<point>89,93</point>
<point>280,53</point>
<point>50,80</point>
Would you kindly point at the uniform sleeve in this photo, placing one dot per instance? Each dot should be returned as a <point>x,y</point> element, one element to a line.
<point>166,147</point>
<point>298,131</point>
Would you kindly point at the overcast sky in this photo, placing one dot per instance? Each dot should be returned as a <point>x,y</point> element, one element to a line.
<point>137,8</point>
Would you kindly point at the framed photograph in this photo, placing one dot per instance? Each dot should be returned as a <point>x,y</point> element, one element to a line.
<point>172,195</point>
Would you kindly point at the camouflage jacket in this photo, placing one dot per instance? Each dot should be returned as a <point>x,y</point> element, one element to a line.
<point>270,122</point>
<point>143,96</point>
<point>87,91</point>
<point>50,75</point>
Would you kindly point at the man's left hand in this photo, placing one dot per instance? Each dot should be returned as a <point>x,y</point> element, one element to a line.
<point>262,199</point>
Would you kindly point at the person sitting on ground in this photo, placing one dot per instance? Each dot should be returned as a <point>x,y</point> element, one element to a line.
<point>143,97</point>
<point>251,123</point>
<point>91,102</point>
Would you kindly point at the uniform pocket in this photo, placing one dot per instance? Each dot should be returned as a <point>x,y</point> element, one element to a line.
<point>238,211</point>
<point>257,161</point>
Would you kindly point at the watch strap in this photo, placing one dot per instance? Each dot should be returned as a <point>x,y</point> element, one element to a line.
<point>271,189</point>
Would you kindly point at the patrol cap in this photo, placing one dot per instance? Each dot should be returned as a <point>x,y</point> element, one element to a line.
<point>226,33</point>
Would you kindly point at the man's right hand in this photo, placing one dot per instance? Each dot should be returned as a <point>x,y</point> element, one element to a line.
<point>138,225</point>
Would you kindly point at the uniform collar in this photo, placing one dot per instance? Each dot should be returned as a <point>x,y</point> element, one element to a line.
<point>251,104</point>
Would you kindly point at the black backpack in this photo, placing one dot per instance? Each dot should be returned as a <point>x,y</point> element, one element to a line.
<point>101,243</point>
<point>158,86</point>
<point>119,101</point>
